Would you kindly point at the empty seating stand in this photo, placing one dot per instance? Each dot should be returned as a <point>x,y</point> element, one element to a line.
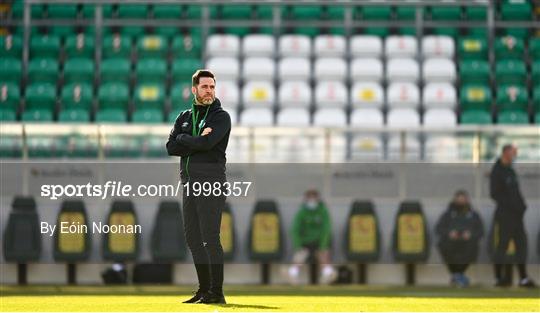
<point>265,236</point>
<point>22,237</point>
<point>72,247</point>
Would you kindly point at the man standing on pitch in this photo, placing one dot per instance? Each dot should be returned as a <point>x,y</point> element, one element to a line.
<point>504,189</point>
<point>200,138</point>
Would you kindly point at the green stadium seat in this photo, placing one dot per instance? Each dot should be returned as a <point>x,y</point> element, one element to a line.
<point>181,98</point>
<point>132,32</point>
<point>10,46</point>
<point>91,31</point>
<point>43,70</point>
<point>537,122</point>
<point>511,72</point>
<point>446,31</point>
<point>340,31</point>
<point>10,146</point>
<point>512,97</point>
<point>186,46</point>
<point>151,70</point>
<point>122,146</point>
<point>82,146</point>
<point>307,31</point>
<point>407,31</point>
<point>513,118</point>
<point>88,10</point>
<point>115,70</point>
<point>536,99</point>
<point>476,13</point>
<point>171,117</point>
<point>62,11</point>
<point>475,97</point>
<point>77,96</point>
<point>534,48</point>
<point>405,13</point>
<point>372,13</point>
<point>196,31</point>
<point>535,72</point>
<point>116,46</point>
<point>44,46</point>
<point>509,47</point>
<point>474,72</point>
<point>10,96</point>
<point>520,33</point>
<point>17,10</point>
<point>80,45</point>
<point>476,117</point>
<point>152,46</point>
<point>10,70</point>
<point>61,31</point>
<point>473,48</point>
<point>183,69</point>
<point>516,10</point>
<point>46,146</point>
<point>7,115</point>
<point>113,96</point>
<point>167,11</point>
<point>265,30</point>
<point>265,12</point>
<point>111,116</point>
<point>335,12</point>
<point>168,32</point>
<point>236,11</point>
<point>148,116</point>
<point>37,116</point>
<point>194,12</point>
<point>40,96</point>
<point>238,31</point>
<point>74,116</point>
<point>79,70</point>
<point>149,96</point>
<point>445,13</point>
<point>377,31</point>
<point>478,32</point>
<point>306,12</point>
<point>132,11</point>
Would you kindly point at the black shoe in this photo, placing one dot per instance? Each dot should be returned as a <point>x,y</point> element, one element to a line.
<point>196,297</point>
<point>503,283</point>
<point>210,297</point>
<point>527,283</point>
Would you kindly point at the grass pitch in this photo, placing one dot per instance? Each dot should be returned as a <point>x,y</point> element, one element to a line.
<point>269,298</point>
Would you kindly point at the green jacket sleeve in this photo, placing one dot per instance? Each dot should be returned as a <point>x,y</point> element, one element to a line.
<point>326,231</point>
<point>295,230</point>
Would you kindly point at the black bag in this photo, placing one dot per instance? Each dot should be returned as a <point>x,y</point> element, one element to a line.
<point>115,275</point>
<point>345,275</point>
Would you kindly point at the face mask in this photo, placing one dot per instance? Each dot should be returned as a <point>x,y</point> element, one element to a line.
<point>312,204</point>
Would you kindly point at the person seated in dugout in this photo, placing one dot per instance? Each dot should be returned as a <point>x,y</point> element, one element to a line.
<point>311,233</point>
<point>459,230</point>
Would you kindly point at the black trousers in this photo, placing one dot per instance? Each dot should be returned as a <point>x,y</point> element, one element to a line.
<point>202,223</point>
<point>511,229</point>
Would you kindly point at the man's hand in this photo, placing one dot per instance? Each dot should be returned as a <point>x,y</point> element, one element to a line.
<point>206,131</point>
<point>466,235</point>
<point>453,235</point>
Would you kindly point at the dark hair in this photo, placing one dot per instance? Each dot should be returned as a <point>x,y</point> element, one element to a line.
<point>461,192</point>
<point>201,73</point>
<point>507,147</point>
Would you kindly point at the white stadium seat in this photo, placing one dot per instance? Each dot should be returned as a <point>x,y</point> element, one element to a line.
<point>367,95</point>
<point>440,118</point>
<point>293,117</point>
<point>401,47</point>
<point>228,93</point>
<point>295,46</point>
<point>330,69</point>
<point>441,148</point>
<point>411,149</point>
<point>224,68</point>
<point>438,46</point>
<point>330,117</point>
<point>403,118</point>
<point>363,46</point>
<point>367,118</point>
<point>294,94</point>
<point>403,95</point>
<point>367,147</point>
<point>439,70</point>
<point>259,69</point>
<point>327,46</point>
<point>257,117</point>
<point>258,94</point>
<point>294,69</point>
<point>234,116</point>
<point>330,93</point>
<point>367,70</point>
<point>404,70</point>
<point>223,46</point>
<point>439,95</point>
<point>258,45</point>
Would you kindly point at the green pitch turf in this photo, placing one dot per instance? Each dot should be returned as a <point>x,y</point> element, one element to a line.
<point>271,298</point>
